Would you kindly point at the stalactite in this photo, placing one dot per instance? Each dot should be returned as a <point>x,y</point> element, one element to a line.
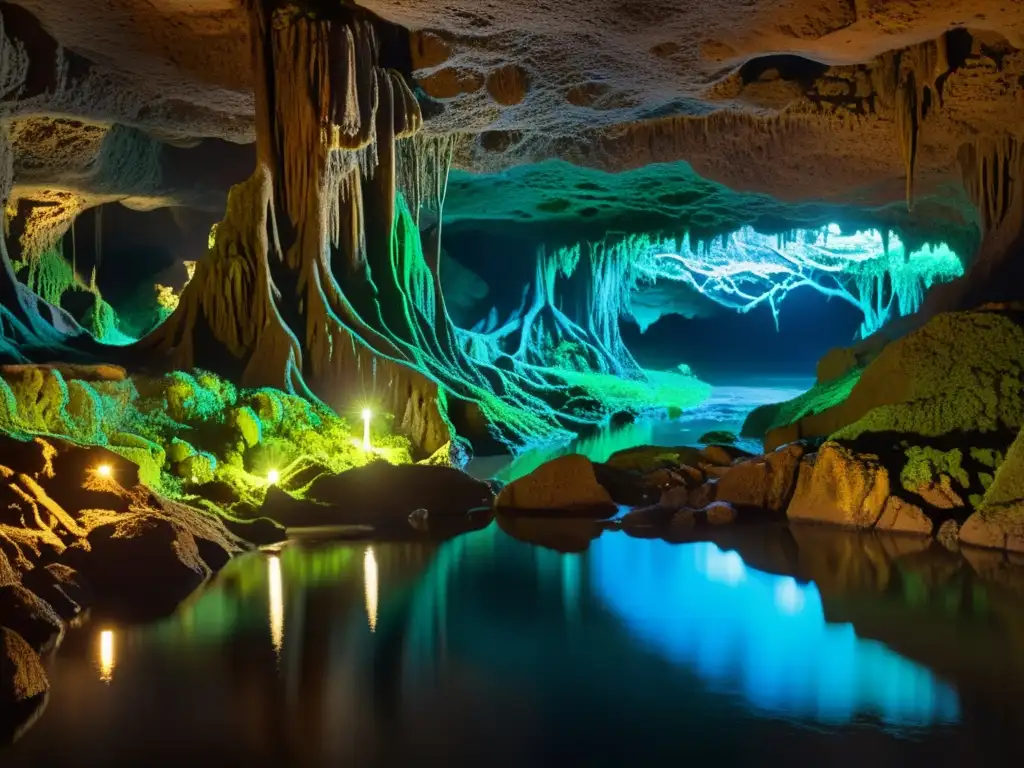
<point>993,172</point>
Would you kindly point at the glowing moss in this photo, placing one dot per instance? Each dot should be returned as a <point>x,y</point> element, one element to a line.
<point>817,399</point>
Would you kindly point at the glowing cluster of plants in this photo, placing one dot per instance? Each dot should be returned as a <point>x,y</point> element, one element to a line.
<point>185,430</point>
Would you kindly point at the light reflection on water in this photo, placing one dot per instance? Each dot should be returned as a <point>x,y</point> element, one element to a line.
<point>391,647</point>
<point>761,635</point>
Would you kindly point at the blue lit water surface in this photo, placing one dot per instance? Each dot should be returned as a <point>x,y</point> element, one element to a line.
<point>489,650</point>
<point>760,636</point>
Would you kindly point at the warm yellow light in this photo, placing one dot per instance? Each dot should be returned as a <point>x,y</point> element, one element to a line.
<point>371,587</point>
<point>367,415</point>
<point>273,476</point>
<point>107,655</point>
<point>104,470</point>
<point>275,589</point>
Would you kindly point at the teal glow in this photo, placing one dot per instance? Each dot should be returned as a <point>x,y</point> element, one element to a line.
<point>746,269</point>
<point>761,636</point>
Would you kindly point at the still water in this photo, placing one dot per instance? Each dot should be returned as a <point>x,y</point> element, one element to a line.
<point>807,646</point>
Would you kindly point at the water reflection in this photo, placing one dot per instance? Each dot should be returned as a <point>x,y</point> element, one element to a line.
<point>275,592</point>
<point>760,635</point>
<point>106,659</point>
<point>371,587</point>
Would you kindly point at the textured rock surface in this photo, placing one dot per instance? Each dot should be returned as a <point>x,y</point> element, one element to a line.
<point>840,486</point>
<point>567,484</point>
<point>23,685</point>
<point>999,520</point>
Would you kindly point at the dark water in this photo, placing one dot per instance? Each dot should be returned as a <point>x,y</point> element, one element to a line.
<point>808,647</point>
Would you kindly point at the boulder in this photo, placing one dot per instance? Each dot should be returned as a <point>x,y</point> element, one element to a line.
<point>764,483</point>
<point>141,567</point>
<point>379,494</point>
<point>23,685</point>
<point>723,455</point>
<point>838,485</point>
<point>704,494</point>
<point>60,586</point>
<point>649,458</point>
<point>684,519</point>
<point>901,516</point>
<point>624,487</point>
<point>31,617</point>
<point>998,522</point>
<point>567,485</point>
<point>719,513</point>
<point>948,535</point>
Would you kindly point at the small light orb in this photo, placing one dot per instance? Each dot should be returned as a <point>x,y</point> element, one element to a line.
<point>273,476</point>
<point>104,470</point>
<point>367,414</point>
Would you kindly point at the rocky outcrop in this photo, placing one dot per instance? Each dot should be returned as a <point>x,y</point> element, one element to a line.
<point>567,485</point>
<point>765,483</point>
<point>998,522</point>
<point>961,371</point>
<point>381,495</point>
<point>23,685</point>
<point>840,486</point>
<point>31,617</point>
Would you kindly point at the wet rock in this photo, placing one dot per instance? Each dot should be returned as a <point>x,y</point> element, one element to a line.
<point>649,458</point>
<point>677,497</point>
<point>704,494</point>
<point>720,513</point>
<point>379,494</point>
<point>567,485</point>
<point>621,419</point>
<point>995,529</point>
<point>840,486</point>
<point>941,495</point>
<point>31,617</point>
<point>948,535</point>
<point>723,455</point>
<point>419,518</point>
<point>625,487</point>
<point>23,685</point>
<point>60,586</point>
<point>901,516</point>
<point>717,471</point>
<point>139,568</point>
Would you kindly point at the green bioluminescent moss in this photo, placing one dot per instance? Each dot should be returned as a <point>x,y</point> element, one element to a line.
<point>184,430</point>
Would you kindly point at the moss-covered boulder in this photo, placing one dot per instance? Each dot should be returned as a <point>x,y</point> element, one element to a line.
<point>567,485</point>
<point>999,520</point>
<point>841,486</point>
<point>961,371</point>
<point>650,458</point>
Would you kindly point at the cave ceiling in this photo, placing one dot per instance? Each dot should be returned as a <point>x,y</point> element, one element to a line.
<point>815,103</point>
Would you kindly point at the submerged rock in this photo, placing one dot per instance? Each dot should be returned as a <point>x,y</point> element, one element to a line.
<point>379,494</point>
<point>566,485</point>
<point>720,513</point>
<point>23,685</point>
<point>718,436</point>
<point>565,535</point>
<point>646,459</point>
